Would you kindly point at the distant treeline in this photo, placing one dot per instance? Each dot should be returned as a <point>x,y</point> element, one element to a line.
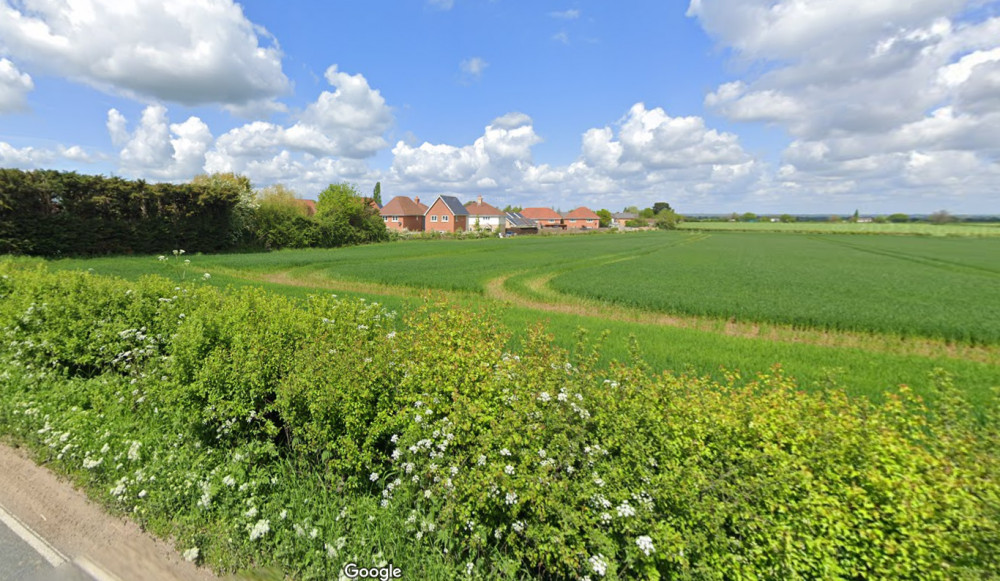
<point>52,213</point>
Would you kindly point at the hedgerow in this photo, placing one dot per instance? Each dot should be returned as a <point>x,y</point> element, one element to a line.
<point>260,431</point>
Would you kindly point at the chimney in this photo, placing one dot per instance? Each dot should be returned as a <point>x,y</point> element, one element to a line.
<point>417,199</point>
<point>479,200</point>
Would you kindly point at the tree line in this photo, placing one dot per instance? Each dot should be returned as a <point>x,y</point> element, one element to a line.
<point>52,213</point>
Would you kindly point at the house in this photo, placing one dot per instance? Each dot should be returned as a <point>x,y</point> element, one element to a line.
<point>518,224</point>
<point>544,217</point>
<point>402,213</point>
<point>446,214</point>
<point>581,218</point>
<point>484,216</point>
<point>619,219</point>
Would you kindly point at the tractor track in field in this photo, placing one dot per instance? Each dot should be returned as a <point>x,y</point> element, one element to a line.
<point>541,297</point>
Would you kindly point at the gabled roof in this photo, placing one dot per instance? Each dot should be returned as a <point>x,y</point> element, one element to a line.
<point>402,206</point>
<point>541,214</point>
<point>517,220</point>
<point>482,209</point>
<point>452,203</point>
<point>582,213</point>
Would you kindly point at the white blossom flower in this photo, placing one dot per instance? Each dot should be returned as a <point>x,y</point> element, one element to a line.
<point>508,469</point>
<point>373,477</point>
<point>518,526</point>
<point>191,555</point>
<point>133,451</point>
<point>625,509</point>
<point>544,396</point>
<point>511,498</point>
<point>645,544</point>
<point>229,481</point>
<point>261,528</point>
<point>598,564</point>
<point>505,452</point>
<point>206,276</point>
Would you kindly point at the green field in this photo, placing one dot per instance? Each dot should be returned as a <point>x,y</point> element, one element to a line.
<point>867,313</point>
<point>971,229</point>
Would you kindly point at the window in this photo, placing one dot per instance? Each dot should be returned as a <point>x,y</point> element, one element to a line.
<point>434,218</point>
<point>444,218</point>
<point>395,218</point>
<point>386,218</point>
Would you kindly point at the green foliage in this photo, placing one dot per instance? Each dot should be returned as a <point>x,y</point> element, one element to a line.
<point>899,218</point>
<point>347,217</point>
<point>667,220</point>
<point>787,219</point>
<point>52,213</point>
<point>941,217</point>
<point>605,217</point>
<point>661,206</point>
<point>509,208</point>
<point>647,213</point>
<point>637,223</point>
<point>203,414</point>
<point>377,193</point>
<point>748,217</point>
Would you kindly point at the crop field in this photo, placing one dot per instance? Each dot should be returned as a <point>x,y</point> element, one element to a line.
<point>865,312</point>
<point>971,229</point>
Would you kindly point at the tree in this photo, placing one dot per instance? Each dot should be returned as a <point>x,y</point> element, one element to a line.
<point>346,217</point>
<point>787,218</point>
<point>855,217</point>
<point>377,194</point>
<point>898,218</point>
<point>667,220</point>
<point>632,210</point>
<point>514,209</point>
<point>647,213</point>
<point>605,217</point>
<point>748,217</point>
<point>941,217</point>
<point>242,217</point>
<point>661,206</point>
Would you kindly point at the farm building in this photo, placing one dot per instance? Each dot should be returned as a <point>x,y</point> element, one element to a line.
<point>582,218</point>
<point>446,214</point>
<point>484,216</point>
<point>544,217</point>
<point>402,213</point>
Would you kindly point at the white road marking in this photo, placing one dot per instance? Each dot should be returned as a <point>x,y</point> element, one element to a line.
<point>94,570</point>
<point>43,548</point>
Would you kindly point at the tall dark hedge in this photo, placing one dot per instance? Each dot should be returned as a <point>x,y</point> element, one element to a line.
<point>51,213</point>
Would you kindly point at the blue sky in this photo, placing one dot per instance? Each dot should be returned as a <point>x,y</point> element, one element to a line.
<point>715,105</point>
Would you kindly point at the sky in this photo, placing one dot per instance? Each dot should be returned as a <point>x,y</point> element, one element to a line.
<point>715,106</point>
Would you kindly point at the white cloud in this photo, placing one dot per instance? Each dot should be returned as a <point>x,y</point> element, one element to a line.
<point>42,158</point>
<point>864,89</point>
<point>185,51</point>
<point>650,154</point>
<point>571,14</point>
<point>561,36</point>
<point>158,150</point>
<point>14,88</point>
<point>472,68</point>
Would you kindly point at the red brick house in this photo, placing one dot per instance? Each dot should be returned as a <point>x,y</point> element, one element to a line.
<point>544,217</point>
<point>402,213</point>
<point>446,214</point>
<point>582,218</point>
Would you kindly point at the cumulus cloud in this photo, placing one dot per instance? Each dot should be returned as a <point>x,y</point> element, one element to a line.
<point>646,153</point>
<point>14,88</point>
<point>42,158</point>
<point>186,51</point>
<point>328,142</point>
<point>156,149</point>
<point>865,88</point>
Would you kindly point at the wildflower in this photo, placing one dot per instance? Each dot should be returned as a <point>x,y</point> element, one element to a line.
<point>394,438</point>
<point>373,477</point>
<point>142,494</point>
<point>191,555</point>
<point>391,335</point>
<point>505,452</point>
<point>468,568</point>
<point>625,509</point>
<point>161,258</point>
<point>89,463</point>
<point>133,451</point>
<point>187,262</point>
<point>645,544</point>
<point>206,276</point>
<point>229,481</point>
<point>260,529</point>
<point>541,453</point>
<point>544,396</point>
<point>511,498</point>
<point>599,564</point>
<point>251,512</point>
<point>284,514</point>
<point>481,461</point>
<point>518,526</point>
<point>509,470</point>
